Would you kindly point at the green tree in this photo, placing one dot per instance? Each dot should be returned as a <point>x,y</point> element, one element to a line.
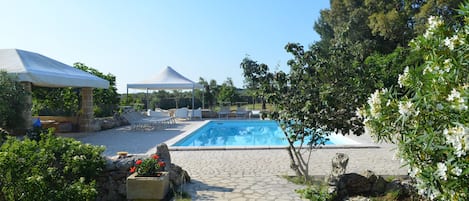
<point>66,101</point>
<point>207,93</point>
<point>105,100</point>
<point>12,102</point>
<point>55,101</point>
<point>227,92</point>
<point>309,104</point>
<point>254,75</point>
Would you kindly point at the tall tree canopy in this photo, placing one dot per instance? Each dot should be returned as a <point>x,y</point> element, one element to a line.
<point>363,46</point>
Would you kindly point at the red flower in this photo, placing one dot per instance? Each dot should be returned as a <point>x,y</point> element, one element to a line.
<point>161,164</point>
<point>138,162</point>
<point>132,169</point>
<point>155,156</point>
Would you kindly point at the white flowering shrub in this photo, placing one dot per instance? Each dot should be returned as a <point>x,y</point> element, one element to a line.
<point>430,122</point>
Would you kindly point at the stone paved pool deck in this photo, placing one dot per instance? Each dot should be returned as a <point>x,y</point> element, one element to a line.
<point>243,174</point>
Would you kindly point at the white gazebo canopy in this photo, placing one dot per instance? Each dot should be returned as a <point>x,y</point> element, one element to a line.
<point>38,70</point>
<point>167,79</point>
<point>46,72</point>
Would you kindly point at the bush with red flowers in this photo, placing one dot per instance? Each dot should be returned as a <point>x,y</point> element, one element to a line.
<point>149,167</point>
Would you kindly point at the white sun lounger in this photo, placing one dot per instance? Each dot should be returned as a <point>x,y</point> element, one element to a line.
<point>139,121</point>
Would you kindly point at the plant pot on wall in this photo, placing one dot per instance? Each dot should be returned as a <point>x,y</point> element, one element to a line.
<point>147,188</point>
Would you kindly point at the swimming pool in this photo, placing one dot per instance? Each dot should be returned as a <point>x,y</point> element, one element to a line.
<point>244,133</point>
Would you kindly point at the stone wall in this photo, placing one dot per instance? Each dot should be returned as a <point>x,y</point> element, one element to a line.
<point>112,182</point>
<point>106,123</point>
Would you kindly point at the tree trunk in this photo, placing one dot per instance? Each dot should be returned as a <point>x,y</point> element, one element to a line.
<point>263,104</point>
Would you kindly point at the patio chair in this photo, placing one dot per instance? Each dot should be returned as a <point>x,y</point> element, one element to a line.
<point>224,110</point>
<point>196,113</point>
<point>241,112</point>
<point>181,113</point>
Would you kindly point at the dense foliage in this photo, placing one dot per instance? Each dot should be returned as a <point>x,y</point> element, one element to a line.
<point>255,75</point>
<point>66,101</point>
<point>105,100</point>
<point>12,102</point>
<point>430,122</point>
<point>52,168</point>
<point>363,47</point>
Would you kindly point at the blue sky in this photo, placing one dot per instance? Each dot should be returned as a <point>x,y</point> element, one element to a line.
<point>135,40</point>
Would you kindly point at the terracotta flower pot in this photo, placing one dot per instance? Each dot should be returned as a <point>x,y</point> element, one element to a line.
<point>147,188</point>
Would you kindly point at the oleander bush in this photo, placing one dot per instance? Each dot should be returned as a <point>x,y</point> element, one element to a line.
<point>52,168</point>
<point>430,121</point>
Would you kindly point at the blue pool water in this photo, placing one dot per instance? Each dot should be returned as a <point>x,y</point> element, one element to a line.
<point>241,133</point>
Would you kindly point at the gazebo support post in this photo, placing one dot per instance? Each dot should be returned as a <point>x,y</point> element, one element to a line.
<point>27,113</point>
<point>193,102</point>
<point>86,117</point>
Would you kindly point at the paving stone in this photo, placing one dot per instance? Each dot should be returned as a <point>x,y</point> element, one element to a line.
<point>245,174</point>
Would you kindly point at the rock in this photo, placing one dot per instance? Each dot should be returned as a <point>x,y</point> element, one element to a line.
<point>378,184</point>
<point>111,184</point>
<point>163,151</point>
<point>108,124</point>
<point>178,176</point>
<point>370,175</point>
<point>354,184</point>
<point>394,185</point>
<point>339,166</point>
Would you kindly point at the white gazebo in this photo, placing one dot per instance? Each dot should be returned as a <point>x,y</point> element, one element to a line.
<point>38,70</point>
<point>167,79</point>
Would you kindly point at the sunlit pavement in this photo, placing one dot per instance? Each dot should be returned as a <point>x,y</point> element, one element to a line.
<point>242,174</point>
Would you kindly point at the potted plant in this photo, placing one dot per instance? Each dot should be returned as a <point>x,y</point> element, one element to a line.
<point>148,180</point>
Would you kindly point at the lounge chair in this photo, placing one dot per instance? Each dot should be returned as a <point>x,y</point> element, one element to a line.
<point>139,121</point>
<point>162,117</point>
<point>196,113</point>
<point>224,110</point>
<point>181,113</point>
<point>241,112</point>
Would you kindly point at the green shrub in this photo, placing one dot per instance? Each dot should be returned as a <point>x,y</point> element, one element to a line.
<point>316,193</point>
<point>52,168</point>
<point>35,132</point>
<point>12,102</point>
<point>430,123</point>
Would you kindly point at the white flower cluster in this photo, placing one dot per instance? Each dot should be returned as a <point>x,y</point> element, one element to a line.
<point>447,65</point>
<point>453,41</point>
<point>458,137</point>
<point>457,100</point>
<point>425,190</point>
<point>406,109</point>
<point>374,102</point>
<point>441,171</point>
<point>456,171</point>
<point>403,78</point>
<point>433,23</point>
<point>414,171</point>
